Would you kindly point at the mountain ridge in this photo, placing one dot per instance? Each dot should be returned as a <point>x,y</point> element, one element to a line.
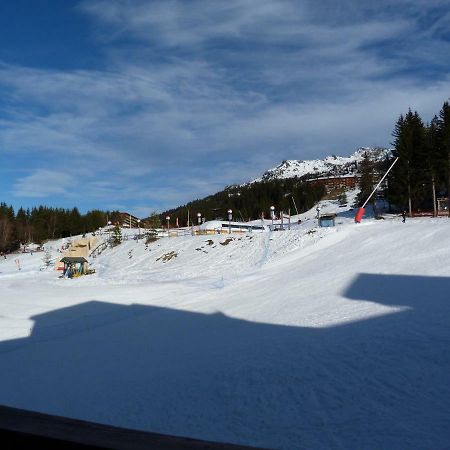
<point>329,166</point>
<point>272,188</point>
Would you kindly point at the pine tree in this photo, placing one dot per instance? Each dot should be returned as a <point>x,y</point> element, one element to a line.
<point>154,221</point>
<point>21,225</point>
<point>366,181</point>
<point>408,177</point>
<point>343,198</point>
<point>8,233</point>
<point>433,159</point>
<point>444,143</point>
<point>75,222</point>
<point>116,237</point>
<point>47,259</point>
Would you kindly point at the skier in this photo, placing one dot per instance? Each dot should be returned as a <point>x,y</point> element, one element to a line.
<point>403,216</point>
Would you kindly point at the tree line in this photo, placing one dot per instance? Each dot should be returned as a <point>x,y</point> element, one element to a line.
<point>42,223</point>
<point>250,201</point>
<point>422,172</point>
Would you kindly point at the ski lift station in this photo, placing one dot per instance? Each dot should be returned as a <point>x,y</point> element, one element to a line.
<point>327,220</point>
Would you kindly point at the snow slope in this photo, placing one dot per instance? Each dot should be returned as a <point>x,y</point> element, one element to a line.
<point>309,338</point>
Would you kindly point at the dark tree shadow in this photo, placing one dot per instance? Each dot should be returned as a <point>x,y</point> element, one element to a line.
<point>377,383</point>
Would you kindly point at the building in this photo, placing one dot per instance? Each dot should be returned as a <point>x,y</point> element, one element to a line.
<point>346,182</point>
<point>224,227</point>
<point>127,220</point>
<point>74,266</point>
<point>336,182</point>
<point>327,220</point>
<point>80,248</point>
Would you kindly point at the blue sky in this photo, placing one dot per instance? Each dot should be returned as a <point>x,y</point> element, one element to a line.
<point>144,105</point>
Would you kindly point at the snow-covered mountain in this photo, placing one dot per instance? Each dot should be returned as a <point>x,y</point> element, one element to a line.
<point>331,165</point>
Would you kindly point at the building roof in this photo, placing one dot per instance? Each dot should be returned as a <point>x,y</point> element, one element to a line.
<point>328,216</point>
<point>74,259</point>
<point>124,214</point>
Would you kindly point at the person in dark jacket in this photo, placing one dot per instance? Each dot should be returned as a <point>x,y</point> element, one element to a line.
<point>403,216</point>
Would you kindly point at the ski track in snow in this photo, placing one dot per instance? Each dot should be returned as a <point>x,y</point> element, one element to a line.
<point>304,339</point>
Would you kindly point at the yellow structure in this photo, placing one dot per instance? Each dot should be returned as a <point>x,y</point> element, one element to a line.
<point>80,248</point>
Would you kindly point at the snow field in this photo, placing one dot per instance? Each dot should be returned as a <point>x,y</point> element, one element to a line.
<point>309,338</point>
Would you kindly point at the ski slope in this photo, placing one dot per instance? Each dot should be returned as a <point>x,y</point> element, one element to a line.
<point>303,339</point>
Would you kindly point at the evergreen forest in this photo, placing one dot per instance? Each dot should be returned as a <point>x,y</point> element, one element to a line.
<point>252,200</point>
<point>42,223</point>
<point>422,172</point>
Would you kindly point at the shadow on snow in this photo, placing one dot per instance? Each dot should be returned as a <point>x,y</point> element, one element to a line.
<point>377,383</point>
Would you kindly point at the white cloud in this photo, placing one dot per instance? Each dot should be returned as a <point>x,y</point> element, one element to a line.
<point>44,183</point>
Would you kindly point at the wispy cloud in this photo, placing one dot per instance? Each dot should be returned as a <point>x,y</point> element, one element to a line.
<point>194,95</point>
<point>44,183</point>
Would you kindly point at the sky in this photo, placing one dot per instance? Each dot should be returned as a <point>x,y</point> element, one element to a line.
<point>145,105</point>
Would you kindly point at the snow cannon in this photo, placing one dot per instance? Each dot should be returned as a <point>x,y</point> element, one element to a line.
<point>359,215</point>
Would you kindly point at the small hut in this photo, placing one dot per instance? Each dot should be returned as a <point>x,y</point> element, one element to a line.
<point>74,266</point>
<point>327,220</point>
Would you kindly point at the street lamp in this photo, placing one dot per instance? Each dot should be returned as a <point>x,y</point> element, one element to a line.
<point>272,214</point>
<point>168,225</point>
<point>139,229</point>
<point>199,218</point>
<point>230,216</point>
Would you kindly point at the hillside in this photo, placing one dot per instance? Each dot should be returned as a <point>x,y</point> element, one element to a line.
<point>310,338</point>
<point>277,186</point>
